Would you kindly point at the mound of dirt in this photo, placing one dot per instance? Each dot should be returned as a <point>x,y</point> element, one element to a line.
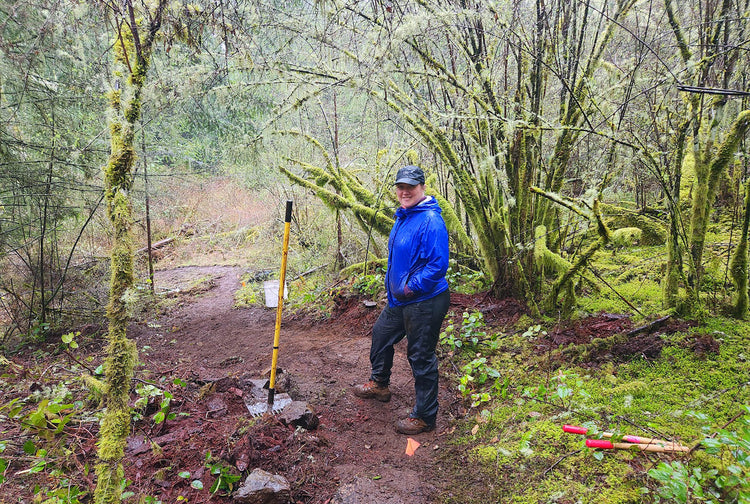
<point>607,337</point>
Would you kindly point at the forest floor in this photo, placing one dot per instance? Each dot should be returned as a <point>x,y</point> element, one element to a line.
<point>206,340</point>
<point>204,351</point>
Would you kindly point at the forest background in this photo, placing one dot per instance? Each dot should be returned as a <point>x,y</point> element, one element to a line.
<point>589,156</point>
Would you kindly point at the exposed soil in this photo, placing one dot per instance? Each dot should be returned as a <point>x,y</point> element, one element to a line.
<point>607,337</point>
<point>205,340</point>
<point>353,456</point>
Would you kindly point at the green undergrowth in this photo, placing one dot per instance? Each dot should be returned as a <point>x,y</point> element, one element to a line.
<point>50,412</point>
<point>514,437</point>
<point>316,292</point>
<point>627,277</point>
<point>310,293</point>
<point>630,280</point>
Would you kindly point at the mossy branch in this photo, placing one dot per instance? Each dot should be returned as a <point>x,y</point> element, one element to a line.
<point>544,258</point>
<point>565,279</point>
<point>562,201</point>
<point>627,236</point>
<point>677,29</point>
<point>653,230</point>
<point>118,177</point>
<point>452,221</point>
<point>363,267</point>
<point>378,219</point>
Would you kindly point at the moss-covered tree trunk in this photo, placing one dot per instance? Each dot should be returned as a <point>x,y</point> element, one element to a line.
<point>712,156</point>
<point>708,169</point>
<point>132,57</point>
<point>739,263</point>
<point>674,271</point>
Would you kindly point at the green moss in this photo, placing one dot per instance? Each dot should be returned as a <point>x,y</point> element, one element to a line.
<point>124,47</point>
<point>739,264</point>
<point>109,483</point>
<point>653,230</point>
<point>626,237</point>
<point>535,461</point>
<point>636,388</point>
<point>114,96</point>
<point>559,488</point>
<point>546,259</point>
<point>368,217</point>
<point>522,449</point>
<point>115,427</point>
<point>360,268</point>
<point>645,294</point>
<point>453,222</point>
<point>121,352</point>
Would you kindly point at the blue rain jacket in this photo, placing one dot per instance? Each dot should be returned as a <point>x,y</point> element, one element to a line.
<point>417,254</point>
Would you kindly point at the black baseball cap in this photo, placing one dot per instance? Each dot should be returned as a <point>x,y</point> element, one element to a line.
<point>412,175</point>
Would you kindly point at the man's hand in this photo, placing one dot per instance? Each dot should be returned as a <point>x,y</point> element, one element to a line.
<point>408,292</point>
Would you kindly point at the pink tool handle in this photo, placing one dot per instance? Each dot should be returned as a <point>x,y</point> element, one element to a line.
<point>574,429</point>
<point>599,443</point>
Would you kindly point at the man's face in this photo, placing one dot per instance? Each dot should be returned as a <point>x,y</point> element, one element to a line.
<point>409,195</point>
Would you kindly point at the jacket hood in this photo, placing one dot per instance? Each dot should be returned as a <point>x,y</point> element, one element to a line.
<point>429,204</point>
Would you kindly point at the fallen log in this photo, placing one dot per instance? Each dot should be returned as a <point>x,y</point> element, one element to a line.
<point>650,327</point>
<point>157,245</point>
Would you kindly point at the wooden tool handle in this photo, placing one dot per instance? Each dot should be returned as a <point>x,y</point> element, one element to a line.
<point>575,429</point>
<point>651,447</point>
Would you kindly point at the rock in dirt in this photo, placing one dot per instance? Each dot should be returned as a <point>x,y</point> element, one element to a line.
<point>365,491</point>
<point>139,444</point>
<point>216,407</point>
<point>262,487</point>
<point>224,384</point>
<point>301,414</point>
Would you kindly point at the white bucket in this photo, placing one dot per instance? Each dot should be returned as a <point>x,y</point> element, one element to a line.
<point>271,291</point>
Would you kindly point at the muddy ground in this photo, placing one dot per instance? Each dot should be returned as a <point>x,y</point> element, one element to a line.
<point>205,352</point>
<point>354,455</point>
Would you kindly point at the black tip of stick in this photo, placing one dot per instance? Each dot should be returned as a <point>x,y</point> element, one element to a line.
<point>288,217</point>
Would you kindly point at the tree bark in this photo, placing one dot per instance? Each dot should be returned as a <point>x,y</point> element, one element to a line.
<point>122,354</point>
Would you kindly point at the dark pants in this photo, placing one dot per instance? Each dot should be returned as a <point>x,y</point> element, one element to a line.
<point>420,323</point>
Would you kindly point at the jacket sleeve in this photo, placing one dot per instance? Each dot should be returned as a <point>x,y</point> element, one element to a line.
<point>432,263</point>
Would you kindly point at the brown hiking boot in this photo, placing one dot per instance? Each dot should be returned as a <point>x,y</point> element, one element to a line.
<point>411,425</point>
<point>373,390</point>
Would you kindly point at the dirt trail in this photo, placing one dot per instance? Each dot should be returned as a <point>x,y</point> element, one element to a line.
<point>356,450</point>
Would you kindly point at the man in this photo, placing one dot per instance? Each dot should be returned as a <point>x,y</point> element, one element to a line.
<point>418,300</point>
